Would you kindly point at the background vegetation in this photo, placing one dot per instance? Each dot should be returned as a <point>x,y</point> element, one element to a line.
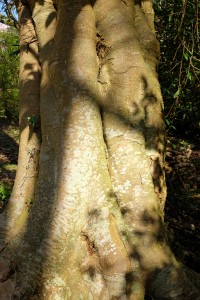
<point>9,68</point>
<point>178,27</point>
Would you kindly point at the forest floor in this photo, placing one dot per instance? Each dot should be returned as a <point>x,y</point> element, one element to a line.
<point>182,214</point>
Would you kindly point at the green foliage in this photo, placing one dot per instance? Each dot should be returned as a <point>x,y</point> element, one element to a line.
<point>9,66</point>
<point>5,191</point>
<point>178,29</point>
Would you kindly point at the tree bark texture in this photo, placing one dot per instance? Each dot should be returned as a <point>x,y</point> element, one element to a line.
<point>85,219</point>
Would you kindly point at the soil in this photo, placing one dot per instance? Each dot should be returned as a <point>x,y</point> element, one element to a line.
<point>182,213</point>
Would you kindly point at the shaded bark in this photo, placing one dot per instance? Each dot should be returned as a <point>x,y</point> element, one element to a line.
<point>94,229</point>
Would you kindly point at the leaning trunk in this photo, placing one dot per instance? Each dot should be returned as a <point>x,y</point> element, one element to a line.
<point>89,223</point>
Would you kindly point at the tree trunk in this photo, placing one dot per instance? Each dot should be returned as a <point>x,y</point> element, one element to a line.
<point>89,223</point>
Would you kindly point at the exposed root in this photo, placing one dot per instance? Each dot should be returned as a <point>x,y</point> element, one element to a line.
<point>175,283</point>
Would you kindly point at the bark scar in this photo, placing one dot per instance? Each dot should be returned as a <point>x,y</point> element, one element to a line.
<point>102,51</point>
<point>91,264</point>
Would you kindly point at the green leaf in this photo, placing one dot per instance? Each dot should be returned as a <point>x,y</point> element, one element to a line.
<point>189,76</point>
<point>177,93</point>
<point>167,121</point>
<point>186,55</point>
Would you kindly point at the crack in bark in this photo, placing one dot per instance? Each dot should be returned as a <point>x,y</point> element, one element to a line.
<point>105,144</point>
<point>4,247</point>
<point>112,193</point>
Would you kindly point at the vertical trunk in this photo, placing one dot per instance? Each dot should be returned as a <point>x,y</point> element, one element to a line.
<point>15,215</point>
<point>95,228</point>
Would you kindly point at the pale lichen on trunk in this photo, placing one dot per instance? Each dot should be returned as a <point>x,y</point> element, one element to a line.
<point>95,228</point>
